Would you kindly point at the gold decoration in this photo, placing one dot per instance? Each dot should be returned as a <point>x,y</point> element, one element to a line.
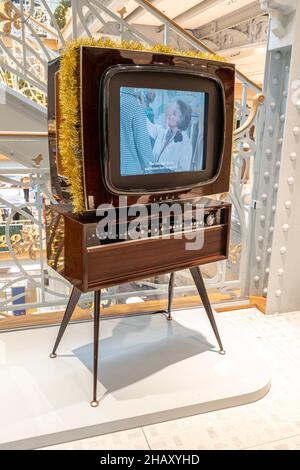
<point>122,12</point>
<point>26,242</point>
<point>258,100</point>
<point>55,240</point>
<point>69,135</point>
<point>37,160</point>
<point>235,253</point>
<point>9,17</point>
<point>30,242</point>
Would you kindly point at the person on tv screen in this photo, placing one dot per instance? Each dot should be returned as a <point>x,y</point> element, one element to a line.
<point>136,149</point>
<point>172,146</point>
<point>148,99</point>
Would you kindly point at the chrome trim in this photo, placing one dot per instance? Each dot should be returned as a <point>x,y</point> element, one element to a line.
<point>111,71</point>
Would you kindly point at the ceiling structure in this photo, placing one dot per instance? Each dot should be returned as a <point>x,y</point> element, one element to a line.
<point>236,28</point>
<point>190,13</point>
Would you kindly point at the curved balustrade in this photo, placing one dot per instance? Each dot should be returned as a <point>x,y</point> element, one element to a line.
<point>30,37</point>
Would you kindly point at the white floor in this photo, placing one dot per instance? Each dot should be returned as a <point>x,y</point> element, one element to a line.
<point>272,423</point>
<point>151,371</point>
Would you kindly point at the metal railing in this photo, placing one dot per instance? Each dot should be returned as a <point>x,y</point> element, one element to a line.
<point>34,38</point>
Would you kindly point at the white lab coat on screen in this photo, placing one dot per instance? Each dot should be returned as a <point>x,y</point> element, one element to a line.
<point>177,155</point>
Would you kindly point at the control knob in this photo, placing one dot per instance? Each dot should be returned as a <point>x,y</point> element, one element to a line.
<point>211,219</point>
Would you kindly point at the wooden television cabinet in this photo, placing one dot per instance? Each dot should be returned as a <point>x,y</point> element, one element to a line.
<point>75,252</point>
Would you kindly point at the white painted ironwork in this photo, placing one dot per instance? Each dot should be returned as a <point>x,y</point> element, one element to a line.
<point>275,228</point>
<point>252,31</point>
<point>30,37</point>
<point>31,240</point>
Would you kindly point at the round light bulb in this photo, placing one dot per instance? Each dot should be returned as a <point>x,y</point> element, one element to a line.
<point>296,131</point>
<point>288,204</point>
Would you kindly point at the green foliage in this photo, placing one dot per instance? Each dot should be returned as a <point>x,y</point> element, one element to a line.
<point>60,12</point>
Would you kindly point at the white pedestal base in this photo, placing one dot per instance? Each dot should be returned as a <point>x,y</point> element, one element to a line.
<point>151,370</point>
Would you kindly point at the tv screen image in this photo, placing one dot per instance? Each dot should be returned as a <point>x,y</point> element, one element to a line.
<point>152,126</point>
<point>162,131</point>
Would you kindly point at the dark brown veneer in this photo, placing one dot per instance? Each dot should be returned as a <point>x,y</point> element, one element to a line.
<point>72,247</point>
<point>94,62</point>
<point>94,266</point>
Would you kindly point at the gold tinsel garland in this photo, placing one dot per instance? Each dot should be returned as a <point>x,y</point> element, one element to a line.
<point>69,135</point>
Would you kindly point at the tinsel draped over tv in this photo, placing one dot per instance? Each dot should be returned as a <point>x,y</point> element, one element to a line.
<point>69,135</point>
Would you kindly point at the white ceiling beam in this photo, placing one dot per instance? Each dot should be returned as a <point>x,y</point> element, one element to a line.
<point>195,10</point>
<point>139,11</point>
<point>229,20</point>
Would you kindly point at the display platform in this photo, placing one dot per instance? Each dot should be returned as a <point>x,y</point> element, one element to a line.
<point>150,370</point>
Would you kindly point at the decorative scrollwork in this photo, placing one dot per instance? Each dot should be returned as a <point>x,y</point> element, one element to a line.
<point>30,36</point>
<point>257,101</point>
<point>9,17</point>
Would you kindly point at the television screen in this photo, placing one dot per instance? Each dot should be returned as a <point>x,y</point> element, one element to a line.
<point>161,131</point>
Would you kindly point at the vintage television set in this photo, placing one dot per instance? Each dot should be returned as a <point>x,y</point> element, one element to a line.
<point>112,82</point>
<point>151,127</point>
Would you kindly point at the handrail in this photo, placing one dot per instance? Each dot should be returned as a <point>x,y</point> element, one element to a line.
<point>25,134</point>
<point>258,100</point>
<point>191,38</point>
<point>22,171</point>
<point>167,22</point>
<point>46,28</point>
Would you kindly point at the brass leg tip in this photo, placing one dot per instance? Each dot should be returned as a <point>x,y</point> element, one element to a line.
<point>94,403</point>
<point>53,355</point>
<point>222,352</point>
<point>169,317</point>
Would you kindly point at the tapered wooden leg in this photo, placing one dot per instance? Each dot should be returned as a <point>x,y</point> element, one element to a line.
<point>170,295</point>
<point>198,279</point>
<point>97,297</point>
<point>73,300</point>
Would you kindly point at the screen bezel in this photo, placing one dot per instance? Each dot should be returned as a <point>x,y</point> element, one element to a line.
<point>181,79</point>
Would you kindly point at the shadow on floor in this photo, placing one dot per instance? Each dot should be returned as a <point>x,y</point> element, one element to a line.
<point>139,347</point>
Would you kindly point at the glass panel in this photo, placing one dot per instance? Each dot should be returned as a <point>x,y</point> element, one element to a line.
<point>30,291</point>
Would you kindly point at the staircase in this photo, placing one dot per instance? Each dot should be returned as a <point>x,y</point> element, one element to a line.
<point>19,113</point>
<point>30,37</point>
